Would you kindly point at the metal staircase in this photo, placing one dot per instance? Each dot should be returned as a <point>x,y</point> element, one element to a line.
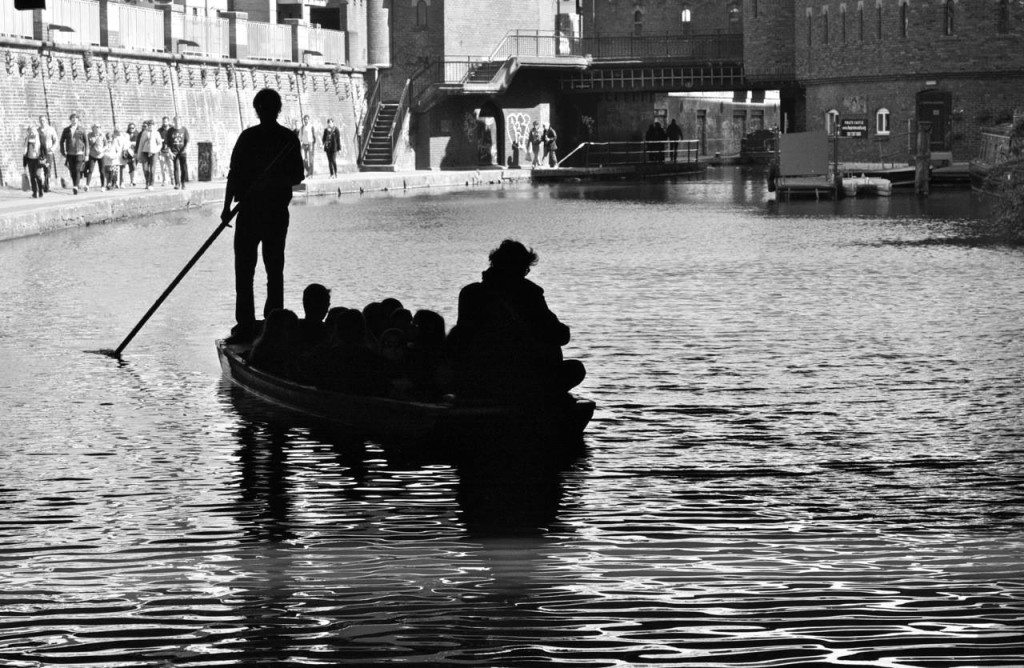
<point>378,155</point>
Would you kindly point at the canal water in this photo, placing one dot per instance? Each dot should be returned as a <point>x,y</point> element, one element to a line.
<point>807,448</point>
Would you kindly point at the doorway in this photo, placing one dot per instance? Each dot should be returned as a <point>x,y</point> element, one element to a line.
<point>491,115</point>
<point>935,107</point>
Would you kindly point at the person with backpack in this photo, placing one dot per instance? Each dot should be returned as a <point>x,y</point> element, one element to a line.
<point>550,138</point>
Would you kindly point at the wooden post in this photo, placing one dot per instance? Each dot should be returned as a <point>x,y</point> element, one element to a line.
<point>923,159</point>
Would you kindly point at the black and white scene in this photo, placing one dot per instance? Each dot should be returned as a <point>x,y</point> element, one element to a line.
<point>503,333</point>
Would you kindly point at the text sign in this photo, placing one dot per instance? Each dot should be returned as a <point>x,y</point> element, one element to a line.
<point>853,127</point>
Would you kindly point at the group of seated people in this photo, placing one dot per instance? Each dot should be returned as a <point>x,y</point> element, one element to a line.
<point>506,344</point>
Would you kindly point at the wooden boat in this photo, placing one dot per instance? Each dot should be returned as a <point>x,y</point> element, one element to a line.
<point>390,420</point>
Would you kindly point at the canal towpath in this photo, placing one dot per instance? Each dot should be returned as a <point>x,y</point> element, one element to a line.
<point>21,215</point>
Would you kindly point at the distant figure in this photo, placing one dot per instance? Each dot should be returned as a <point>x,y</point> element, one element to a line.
<point>316,301</point>
<point>307,137</point>
<point>331,143</point>
<point>674,133</point>
<point>507,342</point>
<point>131,141</point>
<point>119,149</point>
<point>74,146</point>
<point>48,144</point>
<point>149,147</point>
<point>550,138</point>
<point>165,158</point>
<point>110,161</point>
<point>33,160</point>
<point>535,138</point>
<point>265,163</point>
<point>97,146</point>
<point>178,141</point>
<point>660,137</point>
<point>274,350</point>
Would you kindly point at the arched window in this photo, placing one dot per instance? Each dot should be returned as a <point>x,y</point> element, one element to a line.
<point>638,22</point>
<point>842,22</point>
<point>878,29</point>
<point>860,21</point>
<point>754,3</point>
<point>1003,18</point>
<point>948,17</point>
<point>903,19</point>
<point>421,14</point>
<point>735,15</point>
<point>824,27</point>
<point>882,121</point>
<point>687,15</point>
<point>831,121</point>
<point>810,29</point>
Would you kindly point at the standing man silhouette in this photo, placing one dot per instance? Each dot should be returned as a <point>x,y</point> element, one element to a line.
<point>265,163</point>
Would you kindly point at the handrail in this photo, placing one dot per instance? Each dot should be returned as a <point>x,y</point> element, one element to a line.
<point>636,152</point>
<point>399,120</point>
<point>372,108</point>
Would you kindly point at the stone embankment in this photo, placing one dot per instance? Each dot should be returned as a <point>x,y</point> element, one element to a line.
<point>21,216</point>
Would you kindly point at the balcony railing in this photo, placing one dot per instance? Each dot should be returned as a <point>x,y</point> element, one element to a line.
<point>269,41</point>
<point>329,43</point>
<point>140,28</point>
<point>549,44</point>
<point>81,15</point>
<point>211,34</point>
<point>13,22</point>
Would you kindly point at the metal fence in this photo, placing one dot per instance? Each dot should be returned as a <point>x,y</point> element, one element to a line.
<point>82,16</point>
<point>209,34</point>
<point>140,28</point>
<point>269,41</point>
<point>550,44</point>
<point>13,22</point>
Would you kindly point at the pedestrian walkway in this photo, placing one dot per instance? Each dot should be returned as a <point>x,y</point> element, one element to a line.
<point>21,215</point>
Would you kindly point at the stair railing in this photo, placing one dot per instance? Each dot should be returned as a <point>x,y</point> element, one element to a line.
<point>369,118</point>
<point>399,121</point>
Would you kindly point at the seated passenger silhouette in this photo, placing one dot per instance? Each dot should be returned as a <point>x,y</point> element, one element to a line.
<point>274,350</point>
<point>349,365</point>
<point>507,343</point>
<point>316,301</point>
<point>425,362</point>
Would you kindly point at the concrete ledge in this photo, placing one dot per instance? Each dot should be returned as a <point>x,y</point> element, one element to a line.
<point>21,216</point>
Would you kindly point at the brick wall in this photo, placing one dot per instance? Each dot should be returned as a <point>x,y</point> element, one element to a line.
<point>616,17</point>
<point>475,27</point>
<point>214,101</point>
<point>768,47</point>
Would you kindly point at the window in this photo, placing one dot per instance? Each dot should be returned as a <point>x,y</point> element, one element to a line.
<point>860,22</point>
<point>903,19</point>
<point>686,16</point>
<point>421,14</point>
<point>878,29</point>
<point>1003,20</point>
<point>824,27</point>
<point>735,15</point>
<point>831,121</point>
<point>754,3</point>
<point>948,17</point>
<point>842,22</point>
<point>882,121</point>
<point>638,22</point>
<point>810,30</point>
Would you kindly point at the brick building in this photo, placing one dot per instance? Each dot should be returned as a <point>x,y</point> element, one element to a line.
<point>957,64</point>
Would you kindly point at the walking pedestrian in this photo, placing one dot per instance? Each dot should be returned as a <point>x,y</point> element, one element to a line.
<point>48,143</point>
<point>535,139</point>
<point>74,146</point>
<point>166,164</point>
<point>307,137</point>
<point>331,144</point>
<point>178,140</point>
<point>32,161</point>
<point>674,134</point>
<point>265,164</point>
<point>97,146</point>
<point>149,148</point>
<point>550,138</point>
<point>112,158</point>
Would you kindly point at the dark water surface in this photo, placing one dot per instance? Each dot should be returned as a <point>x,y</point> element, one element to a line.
<point>808,447</point>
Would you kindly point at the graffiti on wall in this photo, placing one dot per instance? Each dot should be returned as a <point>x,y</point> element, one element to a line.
<point>517,127</point>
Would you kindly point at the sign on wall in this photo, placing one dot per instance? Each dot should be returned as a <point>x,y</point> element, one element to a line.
<point>853,127</point>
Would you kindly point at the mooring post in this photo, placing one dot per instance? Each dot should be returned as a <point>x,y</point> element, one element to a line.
<point>924,159</point>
